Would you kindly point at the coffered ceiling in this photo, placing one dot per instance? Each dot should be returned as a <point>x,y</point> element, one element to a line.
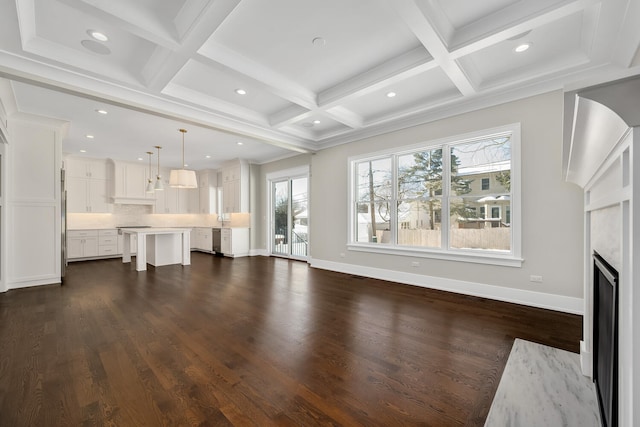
<point>314,73</point>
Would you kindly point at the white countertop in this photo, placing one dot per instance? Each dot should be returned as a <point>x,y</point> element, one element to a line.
<point>154,230</point>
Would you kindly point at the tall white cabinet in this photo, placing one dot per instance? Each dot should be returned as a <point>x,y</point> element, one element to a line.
<point>33,226</point>
<point>87,185</point>
<point>235,187</point>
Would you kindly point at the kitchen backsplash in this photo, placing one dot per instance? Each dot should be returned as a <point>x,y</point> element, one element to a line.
<point>127,215</point>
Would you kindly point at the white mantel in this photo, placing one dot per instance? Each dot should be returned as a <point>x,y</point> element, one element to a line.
<point>601,155</point>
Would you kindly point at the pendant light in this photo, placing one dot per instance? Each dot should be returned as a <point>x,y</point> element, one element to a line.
<point>183,178</point>
<point>149,181</point>
<point>159,185</point>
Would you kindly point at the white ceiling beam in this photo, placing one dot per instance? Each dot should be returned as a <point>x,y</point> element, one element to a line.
<point>418,22</point>
<point>512,21</point>
<point>627,47</point>
<point>19,68</point>
<point>273,81</point>
<point>162,68</point>
<point>402,67</point>
<point>345,116</point>
<point>198,98</point>
<point>288,116</point>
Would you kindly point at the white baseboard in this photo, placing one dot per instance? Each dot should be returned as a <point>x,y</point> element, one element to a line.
<point>501,293</point>
<point>258,252</point>
<point>35,282</point>
<point>586,360</point>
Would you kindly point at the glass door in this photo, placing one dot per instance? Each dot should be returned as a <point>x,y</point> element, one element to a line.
<point>290,203</point>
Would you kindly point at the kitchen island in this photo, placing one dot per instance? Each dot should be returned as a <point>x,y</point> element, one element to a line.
<point>158,245</point>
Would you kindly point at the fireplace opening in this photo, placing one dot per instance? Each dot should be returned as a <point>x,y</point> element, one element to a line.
<point>605,339</point>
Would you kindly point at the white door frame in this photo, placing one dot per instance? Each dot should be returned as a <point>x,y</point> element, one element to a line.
<point>273,177</point>
<point>3,214</point>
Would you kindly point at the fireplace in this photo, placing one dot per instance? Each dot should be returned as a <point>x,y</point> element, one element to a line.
<point>605,339</point>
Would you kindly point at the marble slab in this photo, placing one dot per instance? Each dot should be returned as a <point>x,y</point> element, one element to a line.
<point>543,386</point>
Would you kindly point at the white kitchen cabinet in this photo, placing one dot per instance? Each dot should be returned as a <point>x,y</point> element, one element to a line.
<point>129,183</point>
<point>87,185</point>
<point>176,200</point>
<point>108,242</point>
<point>193,200</point>
<point>207,189</point>
<point>87,195</point>
<point>235,242</point>
<point>78,167</point>
<point>82,244</point>
<point>235,187</point>
<point>201,239</point>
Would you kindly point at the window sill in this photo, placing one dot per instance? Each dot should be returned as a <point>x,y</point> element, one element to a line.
<point>461,256</point>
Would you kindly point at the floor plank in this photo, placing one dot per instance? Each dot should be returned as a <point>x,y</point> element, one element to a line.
<point>255,341</point>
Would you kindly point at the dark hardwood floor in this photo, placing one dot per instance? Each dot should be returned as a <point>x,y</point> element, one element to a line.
<point>254,341</point>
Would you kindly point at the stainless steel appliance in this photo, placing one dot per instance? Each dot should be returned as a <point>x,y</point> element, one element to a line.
<point>63,225</point>
<point>216,238</point>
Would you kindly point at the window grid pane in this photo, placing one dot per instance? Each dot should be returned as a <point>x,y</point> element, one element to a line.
<point>471,212</point>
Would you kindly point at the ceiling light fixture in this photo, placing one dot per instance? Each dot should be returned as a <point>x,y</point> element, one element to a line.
<point>89,136</point>
<point>149,181</point>
<point>239,143</point>
<point>521,48</point>
<point>183,178</point>
<point>102,37</point>
<point>318,42</point>
<point>241,91</point>
<point>101,111</point>
<point>207,157</point>
<point>317,122</point>
<point>83,151</point>
<point>391,94</point>
<point>159,186</point>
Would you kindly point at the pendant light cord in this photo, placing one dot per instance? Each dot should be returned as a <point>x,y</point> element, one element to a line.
<point>183,132</point>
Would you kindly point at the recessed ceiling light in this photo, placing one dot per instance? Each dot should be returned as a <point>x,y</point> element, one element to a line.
<point>391,94</point>
<point>316,122</point>
<point>241,91</point>
<point>521,48</point>
<point>101,111</point>
<point>240,143</point>
<point>318,42</point>
<point>98,35</point>
<point>208,157</point>
<point>83,151</point>
<point>89,136</point>
<point>140,159</point>
<point>186,165</point>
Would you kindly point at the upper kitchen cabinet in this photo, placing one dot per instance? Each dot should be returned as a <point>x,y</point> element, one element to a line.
<point>176,200</point>
<point>78,167</point>
<point>207,188</point>
<point>129,183</point>
<point>235,187</point>
<point>87,185</point>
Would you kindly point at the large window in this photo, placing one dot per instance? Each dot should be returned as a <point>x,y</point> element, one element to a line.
<point>452,199</point>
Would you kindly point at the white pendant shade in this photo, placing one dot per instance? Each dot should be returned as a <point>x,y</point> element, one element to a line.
<point>183,178</point>
<point>159,185</point>
<point>150,187</point>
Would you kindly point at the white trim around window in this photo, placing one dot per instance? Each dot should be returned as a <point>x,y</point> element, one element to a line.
<point>510,258</point>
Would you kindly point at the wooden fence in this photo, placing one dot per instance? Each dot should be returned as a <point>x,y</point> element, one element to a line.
<point>483,238</point>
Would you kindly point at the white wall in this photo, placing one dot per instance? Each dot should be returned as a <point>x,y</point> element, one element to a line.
<point>552,236</point>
